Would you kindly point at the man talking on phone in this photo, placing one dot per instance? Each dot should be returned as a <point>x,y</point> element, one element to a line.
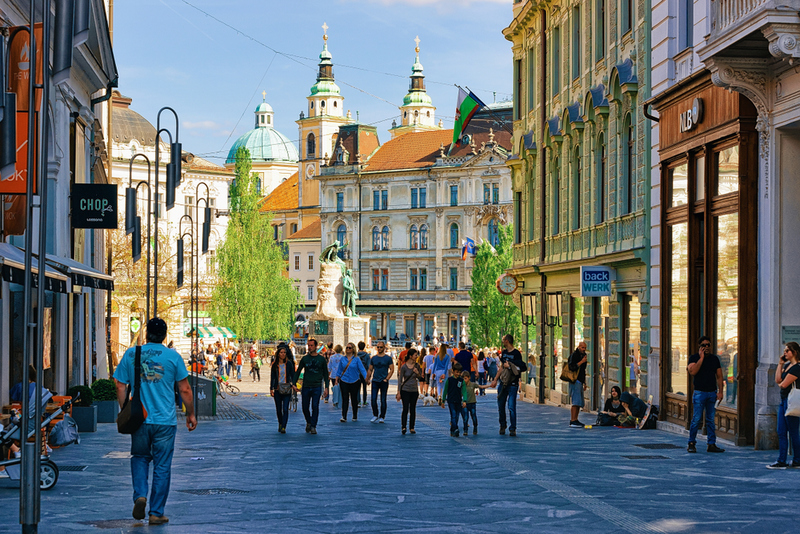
<point>707,372</point>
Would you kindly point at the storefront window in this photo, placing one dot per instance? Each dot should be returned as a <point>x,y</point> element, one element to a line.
<point>680,183</point>
<point>727,302</point>
<point>633,326</point>
<point>728,168</point>
<point>601,349</point>
<point>679,309</point>
<point>577,321</point>
<point>700,178</point>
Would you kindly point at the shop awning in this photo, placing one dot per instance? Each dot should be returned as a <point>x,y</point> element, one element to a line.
<point>215,331</point>
<point>12,263</point>
<point>81,275</point>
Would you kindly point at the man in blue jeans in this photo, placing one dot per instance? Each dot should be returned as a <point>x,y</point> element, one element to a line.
<point>154,441</point>
<point>510,359</point>
<point>706,371</point>
<point>315,372</point>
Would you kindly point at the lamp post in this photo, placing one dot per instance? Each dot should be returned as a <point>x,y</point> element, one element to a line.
<point>133,222</point>
<point>193,293</point>
<point>526,309</point>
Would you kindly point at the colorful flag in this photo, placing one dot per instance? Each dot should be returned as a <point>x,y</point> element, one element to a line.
<point>467,247</point>
<point>468,104</point>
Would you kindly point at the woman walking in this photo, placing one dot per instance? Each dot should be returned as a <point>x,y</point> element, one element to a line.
<point>440,370</point>
<point>334,356</point>
<point>349,374</point>
<point>492,365</point>
<point>788,426</point>
<point>408,379</point>
<point>421,362</point>
<point>281,385</point>
<point>482,371</point>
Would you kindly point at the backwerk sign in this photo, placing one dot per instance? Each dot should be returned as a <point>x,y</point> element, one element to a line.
<point>94,205</point>
<point>596,280</point>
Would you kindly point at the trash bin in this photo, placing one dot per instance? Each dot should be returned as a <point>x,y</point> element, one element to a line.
<point>205,395</point>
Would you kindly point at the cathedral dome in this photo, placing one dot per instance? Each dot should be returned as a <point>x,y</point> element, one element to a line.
<point>265,143</point>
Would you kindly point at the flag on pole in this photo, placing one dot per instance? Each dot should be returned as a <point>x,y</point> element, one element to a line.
<point>467,106</point>
<point>467,247</point>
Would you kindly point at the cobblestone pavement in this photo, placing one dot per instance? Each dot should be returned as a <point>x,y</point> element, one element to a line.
<point>234,475</point>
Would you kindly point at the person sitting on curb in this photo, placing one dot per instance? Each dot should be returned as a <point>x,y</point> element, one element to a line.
<point>612,408</point>
<point>634,409</point>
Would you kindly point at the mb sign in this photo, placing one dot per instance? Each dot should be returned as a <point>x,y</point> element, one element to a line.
<point>596,281</point>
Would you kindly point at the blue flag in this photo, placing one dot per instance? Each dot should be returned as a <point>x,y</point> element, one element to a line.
<point>468,247</point>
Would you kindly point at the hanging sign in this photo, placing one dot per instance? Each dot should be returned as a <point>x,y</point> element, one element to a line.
<point>596,280</point>
<point>94,206</point>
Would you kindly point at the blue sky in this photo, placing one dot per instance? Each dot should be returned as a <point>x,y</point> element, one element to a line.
<point>171,54</point>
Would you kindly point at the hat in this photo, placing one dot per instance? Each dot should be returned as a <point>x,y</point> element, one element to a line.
<point>157,327</point>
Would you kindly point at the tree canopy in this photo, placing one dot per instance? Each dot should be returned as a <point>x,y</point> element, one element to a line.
<point>492,314</point>
<point>255,298</point>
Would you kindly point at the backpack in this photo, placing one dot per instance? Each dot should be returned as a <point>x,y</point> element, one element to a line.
<point>652,421</point>
<point>65,432</point>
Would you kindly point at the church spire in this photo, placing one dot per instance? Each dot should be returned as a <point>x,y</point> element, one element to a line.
<point>418,111</point>
<point>325,57</point>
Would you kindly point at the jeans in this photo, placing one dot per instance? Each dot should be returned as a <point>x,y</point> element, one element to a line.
<point>238,372</point>
<point>152,443</point>
<point>482,382</point>
<point>228,367</point>
<point>282,408</point>
<point>470,411</point>
<point>311,396</point>
<point>256,372</point>
<point>382,388</point>
<point>507,395</point>
<point>788,428</point>
<point>703,401</point>
<point>350,395</point>
<point>337,394</point>
<point>456,411</point>
<point>409,399</point>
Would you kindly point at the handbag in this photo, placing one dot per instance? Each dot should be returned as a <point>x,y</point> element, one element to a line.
<point>567,374</point>
<point>132,414</point>
<point>793,401</point>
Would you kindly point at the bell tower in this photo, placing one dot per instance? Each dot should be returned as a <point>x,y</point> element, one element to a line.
<point>417,114</point>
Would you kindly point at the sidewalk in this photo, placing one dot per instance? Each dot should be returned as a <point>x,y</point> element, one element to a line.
<point>242,476</point>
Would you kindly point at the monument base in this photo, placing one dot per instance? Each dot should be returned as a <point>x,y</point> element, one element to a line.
<point>338,330</point>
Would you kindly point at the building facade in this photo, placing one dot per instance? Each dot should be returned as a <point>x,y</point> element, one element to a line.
<point>725,105</point>
<point>74,334</point>
<point>580,167</point>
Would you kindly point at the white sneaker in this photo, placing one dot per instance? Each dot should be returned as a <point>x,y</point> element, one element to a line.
<point>381,420</point>
<point>374,419</point>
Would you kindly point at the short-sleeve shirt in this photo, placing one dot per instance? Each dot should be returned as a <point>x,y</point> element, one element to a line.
<point>380,367</point>
<point>793,370</point>
<point>428,360</point>
<point>706,377</point>
<point>161,368</point>
<point>471,398</point>
<point>464,357</point>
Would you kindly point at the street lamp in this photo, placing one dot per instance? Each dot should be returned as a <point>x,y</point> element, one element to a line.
<point>194,290</point>
<point>133,222</point>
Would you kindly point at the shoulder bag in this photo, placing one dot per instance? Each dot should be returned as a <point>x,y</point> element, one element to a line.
<point>567,374</point>
<point>132,414</point>
<point>793,402</point>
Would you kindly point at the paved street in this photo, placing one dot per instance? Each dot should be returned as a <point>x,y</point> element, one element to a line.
<point>242,476</point>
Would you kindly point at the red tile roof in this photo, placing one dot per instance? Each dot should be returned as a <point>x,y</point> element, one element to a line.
<point>311,231</point>
<point>283,198</point>
<point>410,151</point>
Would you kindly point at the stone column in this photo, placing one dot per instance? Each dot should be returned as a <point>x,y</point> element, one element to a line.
<point>420,326</point>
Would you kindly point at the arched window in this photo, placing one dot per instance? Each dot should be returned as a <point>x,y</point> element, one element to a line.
<point>322,104</point>
<point>577,208</point>
<point>423,237</point>
<point>311,146</point>
<point>600,153</point>
<point>376,238</point>
<point>494,234</point>
<point>341,234</point>
<point>334,103</point>
<point>454,235</point>
<point>414,237</point>
<point>556,196</point>
<point>629,144</point>
<point>385,238</point>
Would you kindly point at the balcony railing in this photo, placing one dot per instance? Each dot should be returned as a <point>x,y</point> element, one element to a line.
<point>728,13</point>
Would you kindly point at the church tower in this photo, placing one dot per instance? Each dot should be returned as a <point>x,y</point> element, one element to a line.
<point>319,130</point>
<point>417,112</point>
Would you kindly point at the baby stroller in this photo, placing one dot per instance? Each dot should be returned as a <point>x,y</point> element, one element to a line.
<point>48,469</point>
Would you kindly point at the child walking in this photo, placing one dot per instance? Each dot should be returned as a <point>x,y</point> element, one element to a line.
<point>472,402</point>
<point>455,392</point>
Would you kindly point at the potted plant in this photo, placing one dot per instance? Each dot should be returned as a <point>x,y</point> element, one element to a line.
<point>105,398</point>
<point>84,411</point>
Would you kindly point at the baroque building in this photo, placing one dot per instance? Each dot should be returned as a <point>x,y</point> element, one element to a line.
<point>725,117</point>
<point>580,163</point>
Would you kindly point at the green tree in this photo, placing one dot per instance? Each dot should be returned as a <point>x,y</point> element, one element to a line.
<point>492,314</point>
<point>254,296</point>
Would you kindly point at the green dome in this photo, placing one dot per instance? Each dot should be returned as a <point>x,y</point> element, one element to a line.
<point>264,107</point>
<point>265,145</point>
<point>417,98</point>
<point>324,87</point>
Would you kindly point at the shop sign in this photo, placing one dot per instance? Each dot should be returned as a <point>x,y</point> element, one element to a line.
<point>690,118</point>
<point>94,205</point>
<point>790,333</point>
<point>596,281</point>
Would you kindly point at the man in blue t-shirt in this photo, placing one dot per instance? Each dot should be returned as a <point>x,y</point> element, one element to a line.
<point>464,357</point>
<point>154,441</point>
<point>381,369</point>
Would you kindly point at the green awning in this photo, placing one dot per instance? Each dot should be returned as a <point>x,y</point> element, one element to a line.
<point>226,332</point>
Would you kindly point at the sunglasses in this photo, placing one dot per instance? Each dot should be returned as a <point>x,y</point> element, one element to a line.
<point>705,344</point>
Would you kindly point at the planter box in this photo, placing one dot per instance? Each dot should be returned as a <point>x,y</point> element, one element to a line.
<point>107,411</point>
<point>86,417</point>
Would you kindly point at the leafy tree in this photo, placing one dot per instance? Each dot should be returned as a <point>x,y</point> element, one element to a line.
<point>492,314</point>
<point>254,297</point>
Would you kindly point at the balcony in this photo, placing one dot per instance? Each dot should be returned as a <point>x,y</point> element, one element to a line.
<point>752,30</point>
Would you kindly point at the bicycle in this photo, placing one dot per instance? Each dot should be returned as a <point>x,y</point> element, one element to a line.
<point>229,388</point>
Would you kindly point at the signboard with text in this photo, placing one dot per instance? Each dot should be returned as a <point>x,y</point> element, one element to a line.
<point>94,205</point>
<point>596,280</point>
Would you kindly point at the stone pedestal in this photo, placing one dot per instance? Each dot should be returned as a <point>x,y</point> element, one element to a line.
<point>328,323</point>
